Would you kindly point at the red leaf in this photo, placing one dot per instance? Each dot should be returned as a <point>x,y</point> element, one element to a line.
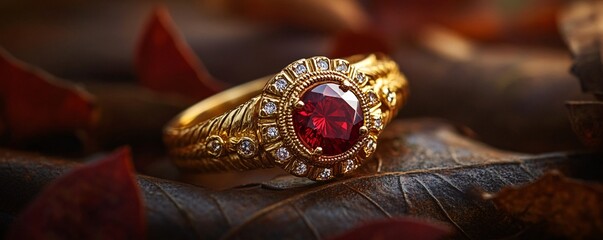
<point>397,228</point>
<point>100,200</point>
<point>346,44</point>
<point>165,63</point>
<point>34,103</point>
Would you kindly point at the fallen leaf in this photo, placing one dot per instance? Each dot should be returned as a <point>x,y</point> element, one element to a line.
<point>580,27</point>
<point>424,170</point>
<point>579,24</point>
<point>165,62</point>
<point>35,104</point>
<point>568,208</point>
<point>397,228</point>
<point>99,200</point>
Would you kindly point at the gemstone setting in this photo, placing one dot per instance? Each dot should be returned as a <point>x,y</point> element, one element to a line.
<point>272,132</point>
<point>322,64</point>
<point>246,148</point>
<point>282,155</point>
<point>280,84</point>
<point>270,108</point>
<point>330,119</point>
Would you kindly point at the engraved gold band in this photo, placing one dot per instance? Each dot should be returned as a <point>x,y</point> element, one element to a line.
<point>249,126</point>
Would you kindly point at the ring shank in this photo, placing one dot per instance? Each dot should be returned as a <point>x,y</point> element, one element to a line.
<point>232,115</point>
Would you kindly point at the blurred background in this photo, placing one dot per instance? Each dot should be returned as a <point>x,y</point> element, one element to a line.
<point>496,69</point>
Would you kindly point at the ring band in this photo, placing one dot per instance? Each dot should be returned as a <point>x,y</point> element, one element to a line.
<point>318,118</point>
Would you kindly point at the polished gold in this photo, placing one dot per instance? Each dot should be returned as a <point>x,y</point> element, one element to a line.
<point>250,126</point>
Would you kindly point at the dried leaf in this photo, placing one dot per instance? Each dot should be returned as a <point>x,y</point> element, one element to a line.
<point>568,208</point>
<point>34,104</point>
<point>165,62</point>
<point>97,201</point>
<point>587,121</point>
<point>580,27</point>
<point>425,170</point>
<point>397,228</point>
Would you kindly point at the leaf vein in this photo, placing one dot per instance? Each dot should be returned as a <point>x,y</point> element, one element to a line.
<point>442,207</point>
<point>307,222</point>
<point>372,201</point>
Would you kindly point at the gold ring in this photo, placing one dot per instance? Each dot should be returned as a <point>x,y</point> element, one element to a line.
<point>318,118</point>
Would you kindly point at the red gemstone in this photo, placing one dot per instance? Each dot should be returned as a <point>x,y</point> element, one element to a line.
<point>330,119</point>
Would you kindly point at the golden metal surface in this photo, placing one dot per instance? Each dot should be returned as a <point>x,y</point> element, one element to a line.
<point>229,131</point>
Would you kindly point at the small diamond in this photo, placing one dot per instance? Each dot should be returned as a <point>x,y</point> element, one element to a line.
<point>282,155</point>
<point>391,97</point>
<point>325,174</point>
<point>373,98</point>
<point>371,145</point>
<point>349,165</point>
<point>378,123</point>
<point>342,67</point>
<point>270,107</point>
<point>272,132</point>
<point>300,168</point>
<point>323,64</point>
<point>300,68</point>
<point>280,84</point>
<point>246,148</point>
<point>214,147</point>
<point>360,77</point>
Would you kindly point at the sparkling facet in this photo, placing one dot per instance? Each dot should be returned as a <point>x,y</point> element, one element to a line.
<point>342,67</point>
<point>270,107</point>
<point>360,77</point>
<point>370,147</point>
<point>246,148</point>
<point>349,165</point>
<point>214,147</point>
<point>272,132</point>
<point>325,174</point>
<point>300,68</point>
<point>300,168</point>
<point>391,97</point>
<point>322,64</point>
<point>280,84</point>
<point>282,154</point>
<point>373,98</point>
<point>330,119</point>
<point>377,122</point>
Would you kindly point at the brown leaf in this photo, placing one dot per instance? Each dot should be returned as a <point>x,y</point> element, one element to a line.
<point>397,228</point>
<point>97,201</point>
<point>425,170</point>
<point>580,27</point>
<point>165,62</point>
<point>586,118</point>
<point>568,208</point>
<point>34,104</point>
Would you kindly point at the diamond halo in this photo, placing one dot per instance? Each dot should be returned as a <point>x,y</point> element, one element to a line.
<point>314,163</point>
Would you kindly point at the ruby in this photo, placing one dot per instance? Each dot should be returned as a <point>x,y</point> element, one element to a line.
<point>331,119</point>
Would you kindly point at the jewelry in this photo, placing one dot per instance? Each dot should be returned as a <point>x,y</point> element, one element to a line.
<point>319,118</point>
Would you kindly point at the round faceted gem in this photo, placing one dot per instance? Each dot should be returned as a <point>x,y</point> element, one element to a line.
<point>330,118</point>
